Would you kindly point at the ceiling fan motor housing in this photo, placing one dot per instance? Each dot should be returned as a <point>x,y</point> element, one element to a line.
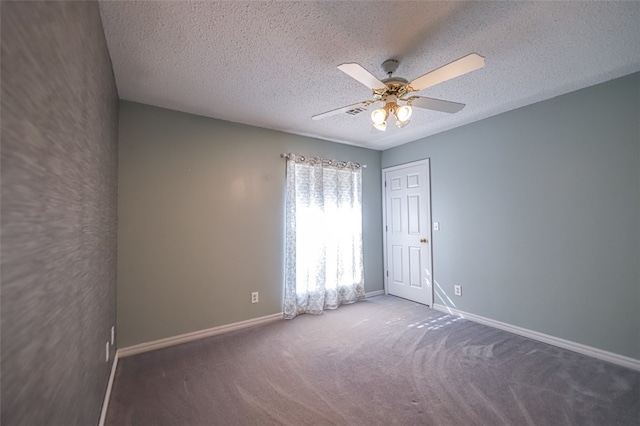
<point>396,86</point>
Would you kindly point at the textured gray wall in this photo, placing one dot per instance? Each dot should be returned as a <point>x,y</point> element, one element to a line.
<point>539,211</point>
<point>201,219</point>
<point>59,201</point>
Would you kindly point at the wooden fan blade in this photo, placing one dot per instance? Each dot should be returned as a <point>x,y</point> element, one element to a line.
<point>359,106</point>
<point>435,104</point>
<point>357,72</point>
<point>455,69</point>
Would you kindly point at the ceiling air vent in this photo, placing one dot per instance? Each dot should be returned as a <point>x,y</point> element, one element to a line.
<point>355,111</point>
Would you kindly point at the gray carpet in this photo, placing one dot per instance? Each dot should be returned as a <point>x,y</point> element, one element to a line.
<point>378,362</point>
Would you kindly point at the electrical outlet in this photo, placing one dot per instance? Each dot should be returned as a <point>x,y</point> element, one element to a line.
<point>113,334</point>
<point>254,297</point>
<point>457,290</point>
<point>106,349</point>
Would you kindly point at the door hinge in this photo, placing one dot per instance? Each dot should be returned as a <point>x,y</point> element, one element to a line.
<point>385,183</point>
<point>386,228</point>
<point>387,273</point>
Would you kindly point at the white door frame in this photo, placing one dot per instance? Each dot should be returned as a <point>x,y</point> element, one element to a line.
<point>385,265</point>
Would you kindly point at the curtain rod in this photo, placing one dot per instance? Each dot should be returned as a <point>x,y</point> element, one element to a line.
<point>287,155</point>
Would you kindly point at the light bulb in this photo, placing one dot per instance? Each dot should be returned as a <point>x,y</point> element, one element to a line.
<point>379,116</point>
<point>381,126</point>
<point>403,113</point>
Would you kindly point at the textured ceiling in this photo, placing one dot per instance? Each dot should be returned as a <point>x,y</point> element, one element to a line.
<point>273,64</point>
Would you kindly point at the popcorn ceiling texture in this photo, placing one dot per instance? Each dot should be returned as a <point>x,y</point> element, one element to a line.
<point>59,200</point>
<point>273,64</point>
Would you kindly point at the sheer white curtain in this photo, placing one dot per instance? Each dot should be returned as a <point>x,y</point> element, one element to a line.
<point>323,266</point>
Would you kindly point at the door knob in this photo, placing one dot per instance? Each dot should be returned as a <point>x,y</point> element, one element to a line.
<point>424,240</point>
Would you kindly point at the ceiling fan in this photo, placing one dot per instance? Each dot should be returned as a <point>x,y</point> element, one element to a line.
<point>393,90</point>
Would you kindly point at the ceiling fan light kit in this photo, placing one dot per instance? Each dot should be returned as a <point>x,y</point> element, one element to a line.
<point>381,115</point>
<point>392,90</point>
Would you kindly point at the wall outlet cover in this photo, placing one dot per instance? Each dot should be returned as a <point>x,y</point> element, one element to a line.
<point>457,290</point>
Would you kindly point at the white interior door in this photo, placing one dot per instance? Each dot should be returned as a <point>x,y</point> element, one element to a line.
<point>407,222</point>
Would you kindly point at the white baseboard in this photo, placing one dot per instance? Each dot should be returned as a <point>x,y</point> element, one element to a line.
<point>196,335</point>
<point>374,293</point>
<point>107,394</point>
<point>611,357</point>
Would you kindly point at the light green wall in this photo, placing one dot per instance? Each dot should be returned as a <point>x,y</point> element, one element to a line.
<point>200,220</point>
<point>539,211</point>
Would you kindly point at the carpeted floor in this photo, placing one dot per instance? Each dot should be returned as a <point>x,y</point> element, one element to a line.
<point>383,361</point>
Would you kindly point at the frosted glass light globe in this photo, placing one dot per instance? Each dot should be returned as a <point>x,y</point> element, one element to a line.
<point>379,116</point>
<point>403,113</point>
<point>381,126</point>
